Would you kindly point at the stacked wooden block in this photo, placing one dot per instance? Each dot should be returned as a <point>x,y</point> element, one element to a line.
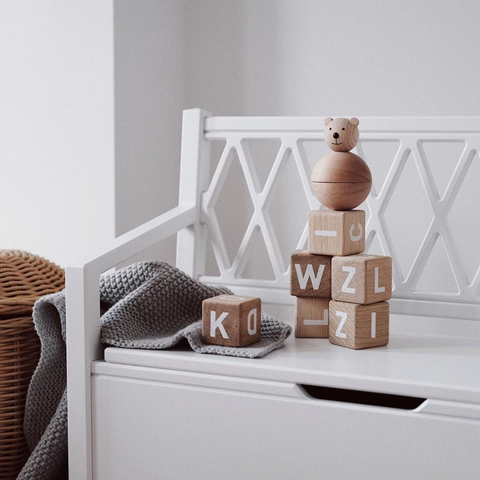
<point>231,320</point>
<point>341,292</point>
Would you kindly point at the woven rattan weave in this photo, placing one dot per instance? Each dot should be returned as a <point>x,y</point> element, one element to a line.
<point>23,279</point>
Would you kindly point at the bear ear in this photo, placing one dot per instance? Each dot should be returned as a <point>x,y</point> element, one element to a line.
<point>328,120</point>
<point>354,121</point>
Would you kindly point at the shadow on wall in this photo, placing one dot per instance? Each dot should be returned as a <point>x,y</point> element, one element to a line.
<point>233,55</point>
<point>149,98</point>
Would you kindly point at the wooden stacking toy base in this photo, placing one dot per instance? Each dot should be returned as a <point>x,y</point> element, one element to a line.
<point>341,292</point>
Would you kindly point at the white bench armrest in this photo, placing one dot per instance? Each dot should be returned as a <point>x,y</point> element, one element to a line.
<point>83,313</point>
<point>136,240</point>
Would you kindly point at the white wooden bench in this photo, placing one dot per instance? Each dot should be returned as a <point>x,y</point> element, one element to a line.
<point>311,409</point>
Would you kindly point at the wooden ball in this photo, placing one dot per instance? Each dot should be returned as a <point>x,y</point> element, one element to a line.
<point>341,196</point>
<point>341,180</point>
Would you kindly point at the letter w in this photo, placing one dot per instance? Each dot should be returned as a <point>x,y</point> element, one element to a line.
<point>309,274</point>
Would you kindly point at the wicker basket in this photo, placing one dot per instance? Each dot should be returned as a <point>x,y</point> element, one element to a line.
<point>23,279</point>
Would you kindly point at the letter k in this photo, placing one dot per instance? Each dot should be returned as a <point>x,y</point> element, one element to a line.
<point>214,323</point>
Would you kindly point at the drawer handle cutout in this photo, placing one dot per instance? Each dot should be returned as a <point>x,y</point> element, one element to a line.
<point>360,397</point>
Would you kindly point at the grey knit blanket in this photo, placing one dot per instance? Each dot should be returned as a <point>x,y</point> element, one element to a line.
<point>149,305</point>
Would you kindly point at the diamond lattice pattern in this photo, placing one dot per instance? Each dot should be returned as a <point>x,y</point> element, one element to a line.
<point>416,207</point>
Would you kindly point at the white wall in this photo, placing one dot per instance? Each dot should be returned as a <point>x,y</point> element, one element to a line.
<point>281,57</point>
<point>362,58</point>
<point>56,126</point>
<point>250,57</point>
<point>149,98</point>
<point>317,57</point>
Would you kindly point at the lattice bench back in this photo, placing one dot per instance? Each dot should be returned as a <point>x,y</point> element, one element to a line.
<point>423,208</point>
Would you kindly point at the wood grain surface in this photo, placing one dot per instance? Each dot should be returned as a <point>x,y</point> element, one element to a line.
<point>359,326</point>
<point>362,278</point>
<point>310,275</point>
<point>341,196</point>
<point>336,233</point>
<point>341,134</point>
<point>341,180</point>
<point>236,322</point>
<point>311,320</point>
<point>341,167</point>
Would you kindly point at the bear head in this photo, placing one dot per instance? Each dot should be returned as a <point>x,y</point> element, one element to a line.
<point>341,134</point>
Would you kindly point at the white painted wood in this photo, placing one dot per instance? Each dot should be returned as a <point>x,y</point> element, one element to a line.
<point>194,178</point>
<point>426,366</point>
<point>316,126</point>
<point>450,409</point>
<point>83,327</point>
<point>138,239</point>
<point>410,132</point>
<point>153,429</point>
<point>83,347</point>
<point>265,387</point>
<point>136,411</point>
<point>270,293</point>
<point>435,308</point>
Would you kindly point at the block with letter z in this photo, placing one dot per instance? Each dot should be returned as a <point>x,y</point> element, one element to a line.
<point>362,279</point>
<point>359,326</point>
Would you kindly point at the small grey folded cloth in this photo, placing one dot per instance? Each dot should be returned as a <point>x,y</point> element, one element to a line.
<point>147,305</point>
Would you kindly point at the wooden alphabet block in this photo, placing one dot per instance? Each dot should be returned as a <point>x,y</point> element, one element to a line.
<point>310,275</point>
<point>336,233</point>
<point>359,326</point>
<point>312,317</point>
<point>362,278</point>
<point>231,320</point>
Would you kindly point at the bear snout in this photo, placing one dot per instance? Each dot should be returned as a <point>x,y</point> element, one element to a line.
<point>336,135</point>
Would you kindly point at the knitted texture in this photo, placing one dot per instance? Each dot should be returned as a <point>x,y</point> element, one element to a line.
<point>149,305</point>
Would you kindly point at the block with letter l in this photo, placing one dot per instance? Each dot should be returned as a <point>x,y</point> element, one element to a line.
<point>310,275</point>
<point>231,320</point>
<point>362,278</point>
<point>336,233</point>
<point>311,320</point>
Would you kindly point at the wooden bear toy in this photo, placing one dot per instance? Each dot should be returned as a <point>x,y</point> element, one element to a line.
<point>341,180</point>
<point>341,293</point>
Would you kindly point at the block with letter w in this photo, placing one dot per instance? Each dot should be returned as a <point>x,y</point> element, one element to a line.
<point>310,275</point>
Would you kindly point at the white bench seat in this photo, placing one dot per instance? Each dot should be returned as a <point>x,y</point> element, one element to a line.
<point>426,366</point>
<point>310,409</point>
<point>188,415</point>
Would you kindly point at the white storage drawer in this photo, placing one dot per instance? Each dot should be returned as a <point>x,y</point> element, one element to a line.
<point>208,426</point>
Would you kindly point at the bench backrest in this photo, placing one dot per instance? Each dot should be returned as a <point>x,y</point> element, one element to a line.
<point>253,196</point>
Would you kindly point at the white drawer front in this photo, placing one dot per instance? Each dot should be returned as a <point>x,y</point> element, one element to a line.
<point>157,430</point>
